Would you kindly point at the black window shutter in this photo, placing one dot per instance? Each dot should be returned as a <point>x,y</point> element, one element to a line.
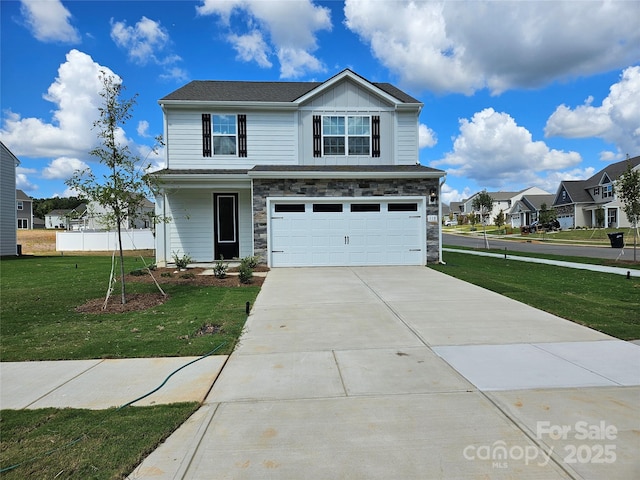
<point>375,131</point>
<point>317,136</point>
<point>206,134</point>
<point>242,135</point>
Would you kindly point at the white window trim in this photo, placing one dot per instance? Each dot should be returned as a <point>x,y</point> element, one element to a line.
<point>346,136</point>
<point>214,135</point>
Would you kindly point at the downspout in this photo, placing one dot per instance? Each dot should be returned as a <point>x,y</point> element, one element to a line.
<point>444,179</point>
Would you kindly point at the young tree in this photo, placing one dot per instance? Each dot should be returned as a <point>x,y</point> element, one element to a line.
<point>628,191</point>
<point>483,203</point>
<point>124,190</point>
<point>600,217</point>
<point>547,215</point>
<point>499,220</point>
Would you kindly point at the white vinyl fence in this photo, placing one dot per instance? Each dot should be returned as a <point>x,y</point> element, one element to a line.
<point>138,239</point>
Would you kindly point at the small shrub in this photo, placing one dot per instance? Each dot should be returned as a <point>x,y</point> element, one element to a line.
<point>245,271</point>
<point>188,275</point>
<point>252,262</point>
<point>181,262</point>
<point>165,274</point>
<point>220,268</point>
<point>138,273</point>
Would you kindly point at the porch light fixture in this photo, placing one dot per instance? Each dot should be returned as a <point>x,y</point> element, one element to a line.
<point>433,195</point>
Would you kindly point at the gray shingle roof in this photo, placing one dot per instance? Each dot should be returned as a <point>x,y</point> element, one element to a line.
<point>250,91</point>
<point>346,168</point>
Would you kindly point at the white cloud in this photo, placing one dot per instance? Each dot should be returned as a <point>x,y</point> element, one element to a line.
<point>75,96</point>
<point>616,120</point>
<point>148,42</point>
<point>49,21</point>
<point>63,168</point>
<point>450,194</point>
<point>251,47</point>
<point>496,152</point>
<point>427,138</point>
<point>466,46</point>
<point>285,27</point>
<point>143,128</point>
<point>22,179</point>
<point>141,41</point>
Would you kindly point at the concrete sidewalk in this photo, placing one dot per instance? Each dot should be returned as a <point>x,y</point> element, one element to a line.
<point>404,372</point>
<point>99,384</point>
<point>631,272</point>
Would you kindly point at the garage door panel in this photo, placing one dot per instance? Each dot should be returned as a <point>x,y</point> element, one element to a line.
<point>317,237</point>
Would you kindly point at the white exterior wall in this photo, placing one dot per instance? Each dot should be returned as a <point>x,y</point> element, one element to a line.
<point>407,139</point>
<point>271,140</point>
<point>8,222</point>
<point>190,230</point>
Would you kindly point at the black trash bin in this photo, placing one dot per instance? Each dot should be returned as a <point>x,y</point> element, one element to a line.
<point>616,239</point>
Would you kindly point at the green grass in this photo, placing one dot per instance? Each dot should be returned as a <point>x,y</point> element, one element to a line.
<point>39,321</point>
<point>605,302</point>
<point>562,258</point>
<point>88,444</point>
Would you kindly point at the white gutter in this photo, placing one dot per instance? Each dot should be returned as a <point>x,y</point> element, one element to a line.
<point>444,179</point>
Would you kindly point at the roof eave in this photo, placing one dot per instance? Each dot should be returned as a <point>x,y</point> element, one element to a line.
<point>197,104</point>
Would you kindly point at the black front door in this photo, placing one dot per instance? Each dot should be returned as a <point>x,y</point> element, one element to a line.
<point>225,225</point>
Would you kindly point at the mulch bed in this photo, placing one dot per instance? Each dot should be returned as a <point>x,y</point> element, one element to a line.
<point>164,276</point>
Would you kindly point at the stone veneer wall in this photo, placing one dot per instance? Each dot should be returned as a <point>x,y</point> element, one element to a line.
<point>263,188</point>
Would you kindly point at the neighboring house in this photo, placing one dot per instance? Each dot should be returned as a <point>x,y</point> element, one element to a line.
<point>58,218</point>
<point>297,174</point>
<point>457,210</point>
<point>577,201</point>
<point>527,210</point>
<point>92,217</point>
<point>8,212</point>
<point>501,201</point>
<point>24,211</point>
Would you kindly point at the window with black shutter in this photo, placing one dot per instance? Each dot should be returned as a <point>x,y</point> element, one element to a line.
<point>242,135</point>
<point>317,136</point>
<point>206,134</point>
<point>375,136</point>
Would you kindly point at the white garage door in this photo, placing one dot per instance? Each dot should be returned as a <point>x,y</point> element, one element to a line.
<point>324,232</point>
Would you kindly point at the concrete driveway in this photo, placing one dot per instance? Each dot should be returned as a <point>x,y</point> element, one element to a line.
<point>404,372</point>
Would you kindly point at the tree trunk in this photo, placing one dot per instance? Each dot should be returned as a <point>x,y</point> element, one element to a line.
<point>123,289</point>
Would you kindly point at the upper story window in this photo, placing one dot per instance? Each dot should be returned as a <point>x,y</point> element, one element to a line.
<point>607,191</point>
<point>346,135</point>
<point>20,205</point>
<point>224,135</point>
<point>596,191</point>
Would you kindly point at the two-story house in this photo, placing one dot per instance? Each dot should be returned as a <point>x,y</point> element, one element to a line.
<point>578,201</point>
<point>502,201</point>
<point>297,174</point>
<point>8,211</point>
<point>24,211</point>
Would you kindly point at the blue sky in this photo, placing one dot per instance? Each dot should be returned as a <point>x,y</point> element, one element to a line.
<point>516,94</point>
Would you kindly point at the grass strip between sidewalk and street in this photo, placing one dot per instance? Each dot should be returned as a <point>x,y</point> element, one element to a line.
<point>605,302</point>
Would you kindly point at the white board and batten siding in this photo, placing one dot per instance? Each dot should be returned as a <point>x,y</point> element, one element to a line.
<point>191,230</point>
<point>272,139</point>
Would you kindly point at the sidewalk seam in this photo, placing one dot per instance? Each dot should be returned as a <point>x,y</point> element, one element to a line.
<point>62,385</point>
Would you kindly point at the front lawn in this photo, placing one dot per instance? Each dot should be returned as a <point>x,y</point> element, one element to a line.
<point>605,302</point>
<point>88,444</point>
<point>40,321</point>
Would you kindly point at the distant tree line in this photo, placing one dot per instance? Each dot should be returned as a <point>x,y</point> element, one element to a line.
<point>42,206</point>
